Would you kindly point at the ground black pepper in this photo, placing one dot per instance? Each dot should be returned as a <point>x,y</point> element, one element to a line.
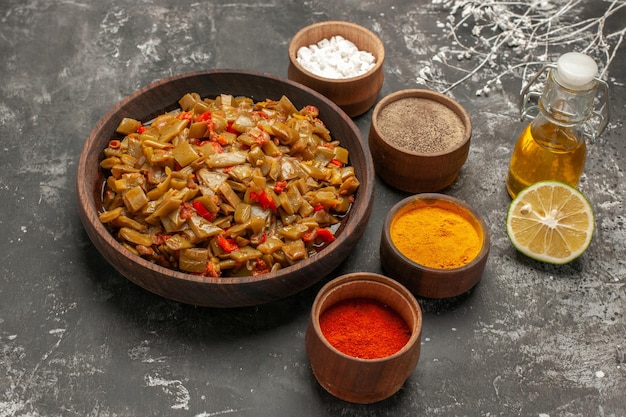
<point>420,125</point>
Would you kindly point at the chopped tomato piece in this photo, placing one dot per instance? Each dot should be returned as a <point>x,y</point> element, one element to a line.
<point>279,187</point>
<point>185,115</point>
<point>160,238</point>
<point>261,267</point>
<point>217,138</point>
<point>202,211</point>
<point>311,110</point>
<point>230,129</point>
<point>210,270</point>
<point>228,245</point>
<point>186,210</point>
<point>263,199</point>
<point>203,117</point>
<point>326,235</point>
<point>309,236</point>
<point>336,162</point>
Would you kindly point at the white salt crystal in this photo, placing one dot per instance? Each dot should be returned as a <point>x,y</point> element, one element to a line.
<point>304,53</point>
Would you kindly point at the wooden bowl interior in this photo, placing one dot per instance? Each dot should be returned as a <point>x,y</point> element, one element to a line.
<point>152,100</point>
<point>411,171</point>
<point>354,95</point>
<point>363,380</point>
<point>430,282</point>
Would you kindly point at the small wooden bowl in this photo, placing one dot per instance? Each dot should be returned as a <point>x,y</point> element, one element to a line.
<point>354,95</point>
<point>163,95</point>
<point>363,380</point>
<point>412,171</point>
<point>429,282</point>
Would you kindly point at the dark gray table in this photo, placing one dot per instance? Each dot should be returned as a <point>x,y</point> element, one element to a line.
<point>78,339</point>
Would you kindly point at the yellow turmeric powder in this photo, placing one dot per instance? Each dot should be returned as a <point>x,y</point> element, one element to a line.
<point>436,237</point>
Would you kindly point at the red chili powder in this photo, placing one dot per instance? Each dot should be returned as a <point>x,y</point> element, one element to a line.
<point>364,328</point>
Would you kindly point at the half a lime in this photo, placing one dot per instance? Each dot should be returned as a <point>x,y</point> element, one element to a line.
<point>551,222</point>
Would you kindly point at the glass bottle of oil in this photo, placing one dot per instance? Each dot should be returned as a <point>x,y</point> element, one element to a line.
<point>553,146</point>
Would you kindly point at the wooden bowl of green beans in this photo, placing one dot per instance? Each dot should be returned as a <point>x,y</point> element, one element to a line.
<point>225,188</point>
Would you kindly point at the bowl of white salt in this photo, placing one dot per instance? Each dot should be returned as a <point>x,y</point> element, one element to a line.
<point>341,60</point>
<point>419,140</point>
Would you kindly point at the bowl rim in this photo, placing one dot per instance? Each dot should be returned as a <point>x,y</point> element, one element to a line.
<point>480,257</point>
<point>379,279</point>
<point>380,51</point>
<point>426,94</point>
<point>90,212</point>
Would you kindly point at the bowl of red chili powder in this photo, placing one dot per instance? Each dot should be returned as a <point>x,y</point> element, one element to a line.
<point>434,244</point>
<point>363,337</point>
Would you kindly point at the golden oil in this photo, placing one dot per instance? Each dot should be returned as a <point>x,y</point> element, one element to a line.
<point>546,151</point>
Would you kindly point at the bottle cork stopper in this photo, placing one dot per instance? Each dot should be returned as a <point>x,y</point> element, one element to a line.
<point>575,70</point>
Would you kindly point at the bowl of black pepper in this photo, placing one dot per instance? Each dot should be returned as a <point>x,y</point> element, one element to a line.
<point>419,140</point>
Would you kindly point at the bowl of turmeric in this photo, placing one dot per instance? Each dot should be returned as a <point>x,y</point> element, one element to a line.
<point>434,244</point>
<point>363,338</point>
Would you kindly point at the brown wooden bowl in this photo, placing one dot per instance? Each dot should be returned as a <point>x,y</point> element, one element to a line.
<point>429,282</point>
<point>363,380</point>
<point>412,171</point>
<point>354,95</point>
<point>152,100</point>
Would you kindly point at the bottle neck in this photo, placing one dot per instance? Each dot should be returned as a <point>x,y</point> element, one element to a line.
<point>565,106</point>
<point>556,136</point>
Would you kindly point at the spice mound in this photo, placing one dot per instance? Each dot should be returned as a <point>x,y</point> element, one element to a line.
<point>364,328</point>
<point>226,186</point>
<point>421,125</point>
<point>436,237</point>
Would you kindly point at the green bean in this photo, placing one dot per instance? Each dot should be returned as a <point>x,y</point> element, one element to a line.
<point>225,185</point>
